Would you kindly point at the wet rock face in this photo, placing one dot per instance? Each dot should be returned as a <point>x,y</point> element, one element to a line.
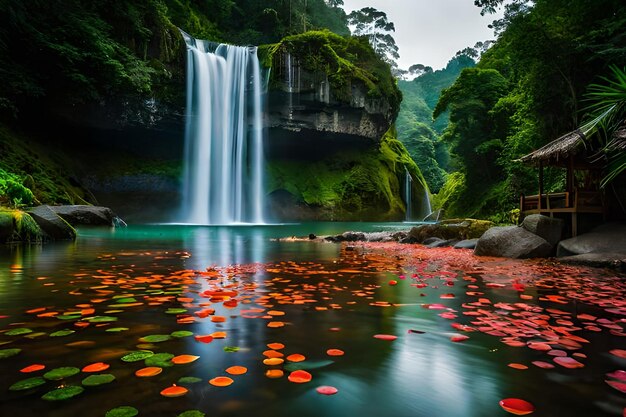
<point>512,242</point>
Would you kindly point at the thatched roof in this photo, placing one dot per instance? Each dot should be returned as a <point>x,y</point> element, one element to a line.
<point>619,139</point>
<point>558,151</point>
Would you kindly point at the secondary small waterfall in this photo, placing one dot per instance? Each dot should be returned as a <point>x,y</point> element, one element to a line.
<point>408,194</point>
<point>223,168</point>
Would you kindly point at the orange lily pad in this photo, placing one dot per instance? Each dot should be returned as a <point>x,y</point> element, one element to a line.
<point>148,372</point>
<point>96,367</point>
<point>237,370</point>
<point>183,359</point>
<point>174,391</point>
<point>335,352</point>
<point>296,357</point>
<point>218,319</point>
<point>219,335</point>
<point>273,361</point>
<point>300,377</point>
<point>275,346</point>
<point>273,354</point>
<point>385,337</point>
<point>275,324</point>
<point>518,366</point>
<point>274,373</point>
<point>33,368</point>
<point>204,338</point>
<point>221,381</point>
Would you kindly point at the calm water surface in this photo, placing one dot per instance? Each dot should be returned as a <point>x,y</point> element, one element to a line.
<point>153,279</point>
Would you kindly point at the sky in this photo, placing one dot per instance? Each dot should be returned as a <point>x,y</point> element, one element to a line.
<point>430,32</point>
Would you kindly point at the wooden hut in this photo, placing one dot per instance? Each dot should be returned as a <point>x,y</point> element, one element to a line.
<point>582,192</point>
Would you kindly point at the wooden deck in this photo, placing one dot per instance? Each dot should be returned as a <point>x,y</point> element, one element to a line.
<point>579,201</point>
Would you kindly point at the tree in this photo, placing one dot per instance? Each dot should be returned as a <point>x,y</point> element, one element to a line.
<point>376,27</point>
<point>417,70</point>
<point>334,3</point>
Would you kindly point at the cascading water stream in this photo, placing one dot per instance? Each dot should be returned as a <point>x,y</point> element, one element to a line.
<point>408,195</point>
<point>223,171</point>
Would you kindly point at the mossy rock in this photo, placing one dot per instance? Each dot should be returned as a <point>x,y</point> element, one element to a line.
<point>457,229</point>
<point>18,226</point>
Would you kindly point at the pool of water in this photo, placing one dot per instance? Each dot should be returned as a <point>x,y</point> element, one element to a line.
<point>101,297</point>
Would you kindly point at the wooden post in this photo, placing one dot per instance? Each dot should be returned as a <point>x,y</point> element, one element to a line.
<point>569,180</point>
<point>540,184</point>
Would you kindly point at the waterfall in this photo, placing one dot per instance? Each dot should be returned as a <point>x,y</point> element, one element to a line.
<point>428,209</point>
<point>223,166</point>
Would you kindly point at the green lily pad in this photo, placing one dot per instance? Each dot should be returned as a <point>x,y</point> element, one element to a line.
<point>138,355</point>
<point>231,349</point>
<point>181,333</point>
<point>61,373</point>
<point>101,319</point>
<point>100,379</point>
<point>117,329</point>
<point>191,413</point>
<point>162,360</point>
<point>18,332</point>
<point>7,353</point>
<point>60,333</point>
<point>27,384</point>
<point>155,338</point>
<point>35,335</point>
<point>306,365</point>
<point>63,393</point>
<point>175,311</point>
<point>68,317</point>
<point>123,411</point>
<point>125,300</point>
<point>188,380</point>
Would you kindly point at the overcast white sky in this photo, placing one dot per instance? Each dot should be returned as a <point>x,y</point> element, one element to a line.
<point>430,32</point>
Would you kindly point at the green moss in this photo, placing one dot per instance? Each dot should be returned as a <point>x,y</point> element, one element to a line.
<point>17,226</point>
<point>345,60</point>
<point>350,184</point>
<point>449,193</point>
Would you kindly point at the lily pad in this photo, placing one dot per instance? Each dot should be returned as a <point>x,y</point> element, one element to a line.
<point>188,380</point>
<point>191,413</point>
<point>162,360</point>
<point>181,333</point>
<point>18,332</point>
<point>7,353</point>
<point>29,383</point>
<point>137,356</point>
<point>117,329</point>
<point>63,393</point>
<point>100,379</point>
<point>35,335</point>
<point>126,300</point>
<point>231,349</point>
<point>101,319</point>
<point>123,411</point>
<point>61,373</point>
<point>155,338</point>
<point>175,311</point>
<point>69,316</point>
<point>60,333</point>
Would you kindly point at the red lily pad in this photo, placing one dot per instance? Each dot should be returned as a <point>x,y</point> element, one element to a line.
<point>327,390</point>
<point>568,362</point>
<point>620,386</point>
<point>385,337</point>
<point>517,406</point>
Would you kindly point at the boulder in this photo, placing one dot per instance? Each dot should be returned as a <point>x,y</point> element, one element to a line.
<point>54,226</point>
<point>549,228</point>
<point>466,244</point>
<point>607,238</point>
<point>458,229</point>
<point>512,242</point>
<point>599,260</point>
<point>442,243</point>
<point>78,215</point>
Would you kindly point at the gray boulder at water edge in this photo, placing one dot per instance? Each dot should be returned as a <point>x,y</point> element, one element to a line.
<point>546,227</point>
<point>54,226</point>
<point>607,238</point>
<point>85,215</point>
<point>466,244</point>
<point>512,242</point>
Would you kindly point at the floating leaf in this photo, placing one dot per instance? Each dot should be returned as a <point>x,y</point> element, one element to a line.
<point>183,359</point>
<point>123,411</point>
<point>61,373</point>
<point>181,333</point>
<point>204,338</point>
<point>568,362</point>
<point>18,332</point>
<point>69,316</point>
<point>191,413</point>
<point>237,370</point>
<point>148,372</point>
<point>385,337</point>
<point>619,374</point>
<point>274,373</point>
<point>155,338</point>
<point>174,391</point>
<point>117,330</point>
<point>335,352</point>
<point>273,354</point>
<point>221,381</point>
<point>275,324</point>
<point>101,319</point>
<point>459,338</point>
<point>61,333</point>
<point>231,349</point>
<point>125,300</point>
<point>96,367</point>
<point>95,380</point>
<point>299,377</point>
<point>620,353</point>
<point>137,356</point>
<point>326,390</point>
<point>33,368</point>
<point>620,386</point>
<point>296,357</point>
<point>308,365</point>
<point>544,365</point>
<point>175,311</point>
<point>7,353</point>
<point>162,360</point>
<point>63,393</point>
<point>27,384</point>
<point>188,380</point>
<point>275,346</point>
<point>517,406</point>
<point>218,335</point>
<point>273,361</point>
